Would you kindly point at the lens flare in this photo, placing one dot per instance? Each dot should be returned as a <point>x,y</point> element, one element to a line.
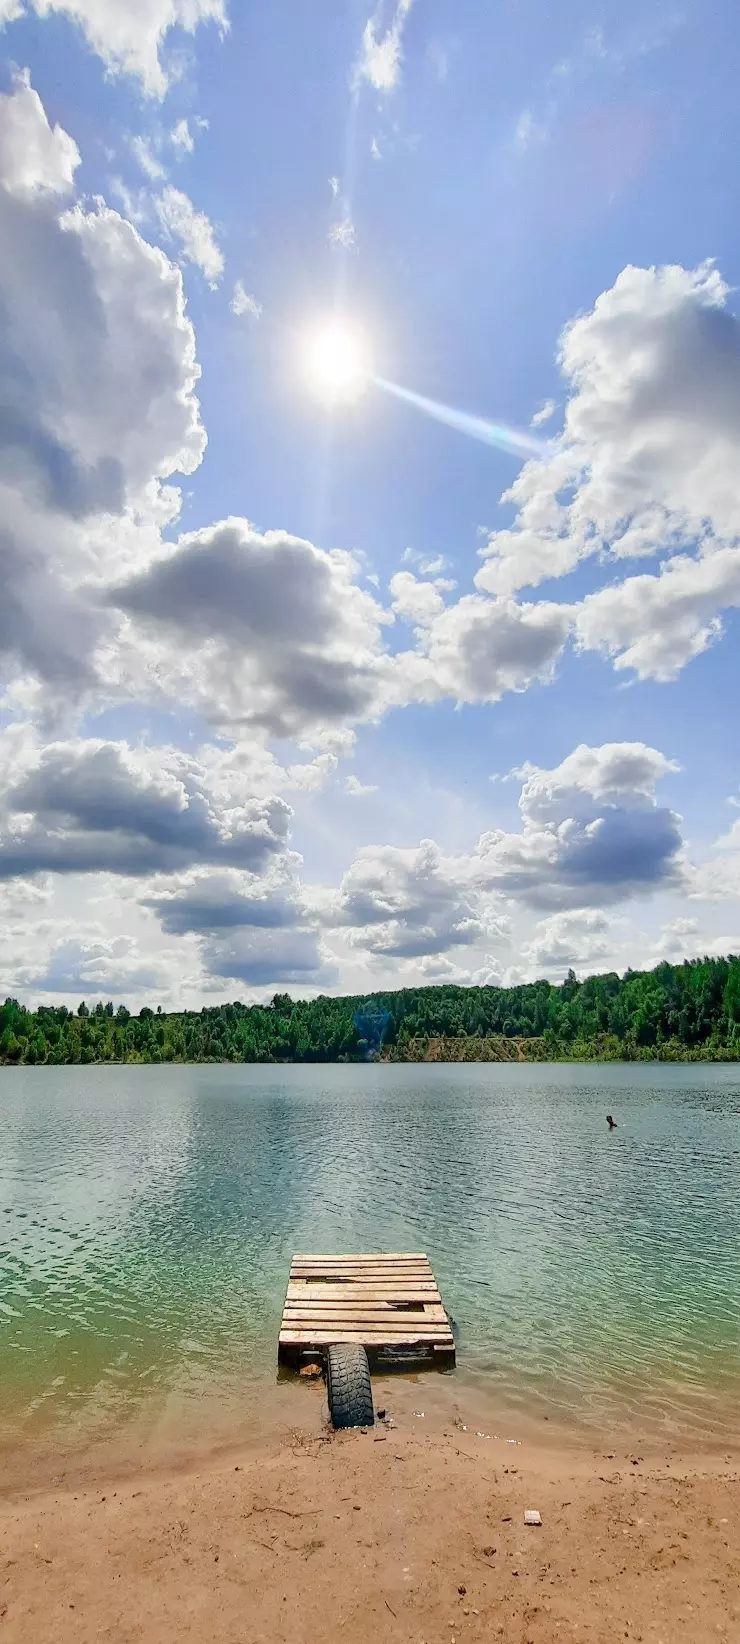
<point>476,428</point>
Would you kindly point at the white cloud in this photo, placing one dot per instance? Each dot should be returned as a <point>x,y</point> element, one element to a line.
<point>128,36</point>
<point>208,901</point>
<point>243,303</point>
<point>33,157</point>
<point>146,159</point>
<point>576,940</point>
<point>381,53</point>
<point>359,789</point>
<point>98,359</point>
<point>478,649</point>
<point>646,465</point>
<point>407,903</point>
<point>679,939</point>
<point>181,138</point>
<point>543,413</point>
<point>592,831</point>
<point>655,624</point>
<point>89,806</point>
<point>194,231</point>
<point>414,601</point>
<point>264,958</point>
<point>426,566</point>
<point>265,630</point>
<point>342,233</point>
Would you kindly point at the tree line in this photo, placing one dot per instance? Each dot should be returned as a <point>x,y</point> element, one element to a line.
<point>674,1012</point>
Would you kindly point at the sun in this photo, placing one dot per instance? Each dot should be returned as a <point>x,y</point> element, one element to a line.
<point>336,361</point>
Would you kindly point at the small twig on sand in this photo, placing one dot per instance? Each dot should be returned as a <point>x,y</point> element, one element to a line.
<point>389,1607</point>
<point>306,1512</point>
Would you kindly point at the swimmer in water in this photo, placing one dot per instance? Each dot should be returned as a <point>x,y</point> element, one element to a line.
<point>612,1123</point>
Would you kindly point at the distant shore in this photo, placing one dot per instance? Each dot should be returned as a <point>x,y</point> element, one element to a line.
<point>674,1013</point>
<point>422,1049</point>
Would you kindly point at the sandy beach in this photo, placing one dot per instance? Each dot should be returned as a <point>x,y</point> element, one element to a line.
<point>411,1531</point>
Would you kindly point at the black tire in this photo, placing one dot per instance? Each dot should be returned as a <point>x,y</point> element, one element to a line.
<point>349,1386</point>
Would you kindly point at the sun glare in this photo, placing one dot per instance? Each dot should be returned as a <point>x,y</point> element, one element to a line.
<point>336,362</point>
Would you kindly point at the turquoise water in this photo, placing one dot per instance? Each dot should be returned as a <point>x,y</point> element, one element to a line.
<point>148,1217</point>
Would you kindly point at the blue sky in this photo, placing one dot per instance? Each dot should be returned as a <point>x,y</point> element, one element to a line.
<point>297,691</point>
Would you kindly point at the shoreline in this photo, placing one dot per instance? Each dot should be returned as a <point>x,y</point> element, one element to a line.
<point>414,1530</point>
<point>723,1058</point>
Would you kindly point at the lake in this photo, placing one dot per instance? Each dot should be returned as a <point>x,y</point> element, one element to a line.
<point>148,1216</point>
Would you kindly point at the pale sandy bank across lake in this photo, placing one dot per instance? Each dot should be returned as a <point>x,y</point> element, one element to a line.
<point>411,1532</point>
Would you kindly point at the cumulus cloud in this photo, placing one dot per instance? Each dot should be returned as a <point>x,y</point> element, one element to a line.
<point>646,466</point>
<point>478,648</point>
<point>261,630</point>
<point>381,52</point>
<point>127,37</point>
<point>243,303</point>
<point>592,831</point>
<point>193,230</point>
<point>359,789</point>
<point>252,927</point>
<point>414,601</point>
<point>575,940</point>
<point>680,939</point>
<point>97,358</point>
<point>89,806</point>
<point>33,157</point>
<point>403,904</point>
<point>91,963</point>
<point>206,901</point>
<point>268,957</point>
<point>717,879</point>
<point>655,623</point>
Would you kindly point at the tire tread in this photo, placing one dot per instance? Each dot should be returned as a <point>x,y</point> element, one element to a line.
<point>349,1386</point>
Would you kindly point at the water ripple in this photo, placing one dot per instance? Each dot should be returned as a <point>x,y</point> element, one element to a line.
<point>148,1216</point>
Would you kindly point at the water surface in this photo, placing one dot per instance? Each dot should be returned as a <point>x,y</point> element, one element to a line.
<point>148,1216</point>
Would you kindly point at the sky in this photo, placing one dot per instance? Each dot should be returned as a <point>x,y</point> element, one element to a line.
<point>369,494</point>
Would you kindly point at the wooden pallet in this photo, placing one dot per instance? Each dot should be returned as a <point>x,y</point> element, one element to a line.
<point>387,1303</point>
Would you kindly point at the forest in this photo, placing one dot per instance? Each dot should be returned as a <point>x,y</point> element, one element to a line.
<point>686,1012</point>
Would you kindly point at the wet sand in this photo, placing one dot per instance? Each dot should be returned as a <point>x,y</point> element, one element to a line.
<point>412,1531</point>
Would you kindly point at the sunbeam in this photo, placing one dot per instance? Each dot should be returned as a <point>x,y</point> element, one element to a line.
<point>477,428</point>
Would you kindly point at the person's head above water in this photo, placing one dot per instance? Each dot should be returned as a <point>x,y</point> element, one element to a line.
<point>612,1123</point>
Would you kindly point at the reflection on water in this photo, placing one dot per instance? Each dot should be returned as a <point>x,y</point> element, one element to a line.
<point>148,1217</point>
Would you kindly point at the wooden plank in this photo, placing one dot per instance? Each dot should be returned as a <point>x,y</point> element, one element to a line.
<point>421,1268</point>
<point>365,1338</point>
<point>365,1315</point>
<point>370,1270</point>
<point>353,1267</point>
<point>346,1275</point>
<point>383,1293</point>
<point>386,1304</point>
<point>362,1281</point>
<point>297,1334</point>
<point>374,1329</point>
<point>365,1256</point>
